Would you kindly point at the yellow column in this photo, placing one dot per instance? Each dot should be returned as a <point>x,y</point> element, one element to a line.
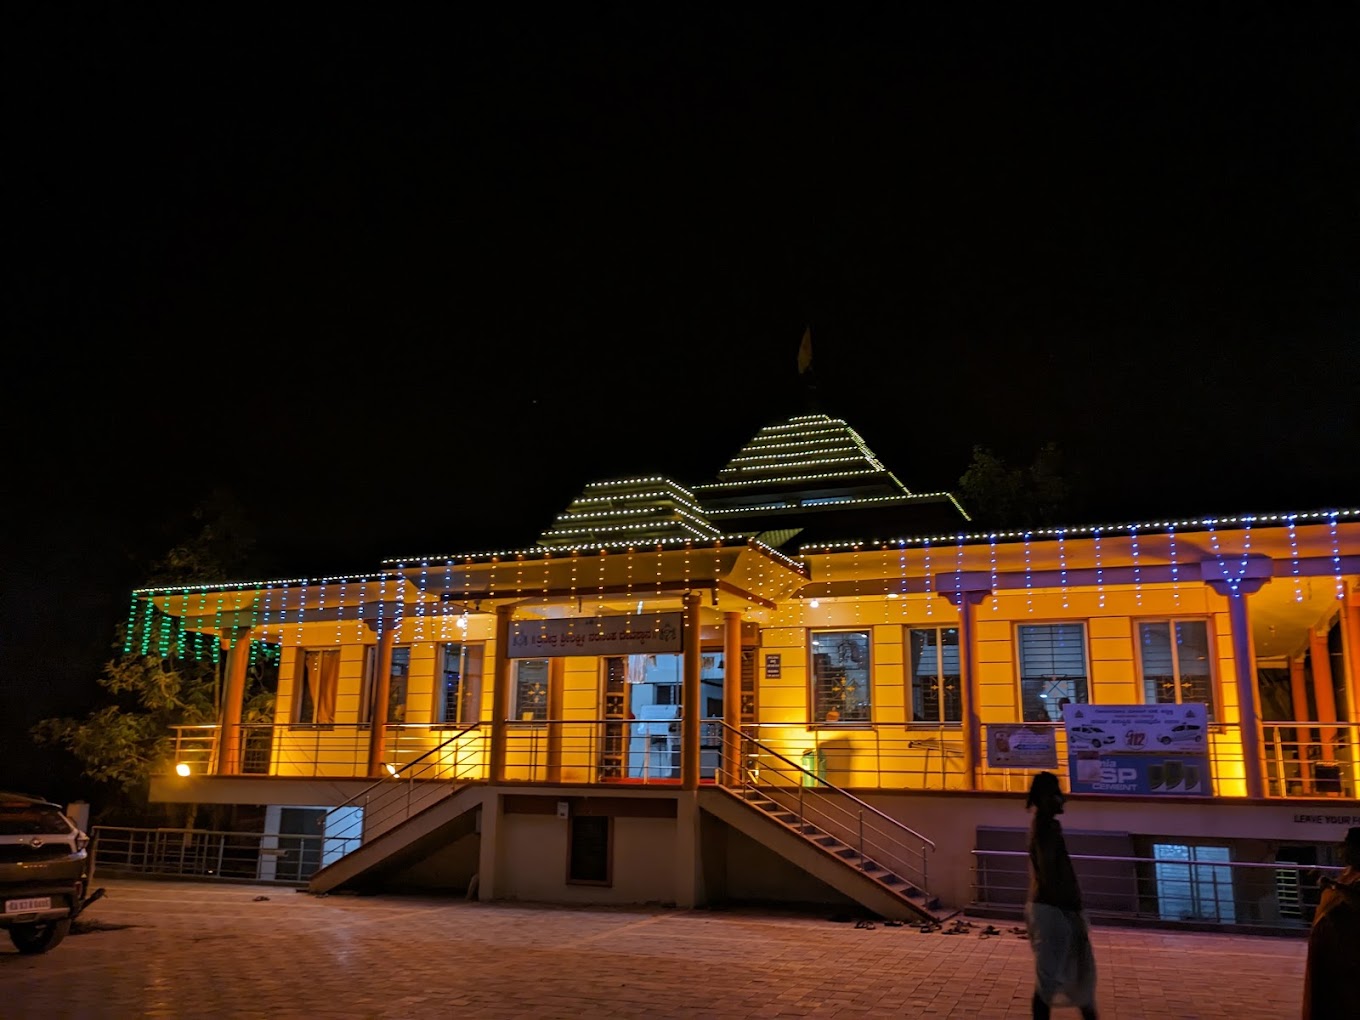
<point>730,768</point>
<point>1246,577</point>
<point>556,671</point>
<point>1303,735</point>
<point>1323,694</point>
<point>966,590</point>
<point>689,697</point>
<point>238,661</point>
<point>500,693</point>
<point>1298,691</point>
<point>382,694</point>
<point>1350,645</point>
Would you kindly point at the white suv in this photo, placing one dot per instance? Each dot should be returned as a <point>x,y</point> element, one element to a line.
<point>44,872</point>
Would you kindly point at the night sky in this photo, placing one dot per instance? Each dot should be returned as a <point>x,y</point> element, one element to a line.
<point>404,285</point>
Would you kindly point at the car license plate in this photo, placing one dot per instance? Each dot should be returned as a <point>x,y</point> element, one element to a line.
<point>24,906</point>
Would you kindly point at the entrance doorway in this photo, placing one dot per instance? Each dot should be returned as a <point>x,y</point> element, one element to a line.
<point>643,710</point>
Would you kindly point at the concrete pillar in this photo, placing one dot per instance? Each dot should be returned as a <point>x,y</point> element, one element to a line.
<point>689,696</point>
<point>382,694</point>
<point>238,663</point>
<point>1324,696</point>
<point>556,674</point>
<point>1303,735</point>
<point>730,766</point>
<point>966,591</point>
<point>489,836</point>
<point>689,862</point>
<point>1235,578</point>
<point>500,693</point>
<point>1350,644</point>
<point>1298,690</point>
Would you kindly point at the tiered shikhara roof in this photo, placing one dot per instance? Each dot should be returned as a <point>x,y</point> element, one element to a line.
<point>812,478</point>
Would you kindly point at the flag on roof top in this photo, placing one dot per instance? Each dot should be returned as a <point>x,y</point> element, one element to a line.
<point>805,352</point>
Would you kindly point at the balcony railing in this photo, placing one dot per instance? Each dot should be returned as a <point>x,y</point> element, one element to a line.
<point>1302,759</point>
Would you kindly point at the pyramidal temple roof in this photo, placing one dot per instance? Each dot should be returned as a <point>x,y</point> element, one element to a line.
<point>809,479</point>
<point>810,455</point>
<point>642,509</point>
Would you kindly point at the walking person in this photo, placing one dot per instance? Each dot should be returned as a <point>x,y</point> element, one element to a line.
<point>1329,988</point>
<point>1064,962</point>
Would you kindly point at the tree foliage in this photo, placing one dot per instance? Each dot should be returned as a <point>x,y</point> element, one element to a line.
<point>998,495</point>
<point>121,743</point>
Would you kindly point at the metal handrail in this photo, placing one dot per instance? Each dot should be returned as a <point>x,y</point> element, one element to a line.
<point>849,826</point>
<point>396,773</point>
<point>830,786</point>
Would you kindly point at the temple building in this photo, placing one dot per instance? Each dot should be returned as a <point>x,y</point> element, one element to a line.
<point>797,682</point>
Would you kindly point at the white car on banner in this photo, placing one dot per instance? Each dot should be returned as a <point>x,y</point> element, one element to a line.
<point>1183,733</point>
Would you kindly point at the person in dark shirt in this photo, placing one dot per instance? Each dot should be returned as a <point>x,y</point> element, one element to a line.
<point>1064,963</point>
<point>1329,989</point>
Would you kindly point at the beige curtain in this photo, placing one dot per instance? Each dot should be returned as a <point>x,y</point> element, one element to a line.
<point>329,684</point>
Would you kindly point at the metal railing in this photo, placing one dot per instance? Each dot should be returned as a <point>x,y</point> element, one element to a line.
<point>1167,891</point>
<point>434,776</point>
<point>331,751</point>
<point>206,854</point>
<point>1302,759</point>
<point>1311,759</point>
<point>761,772</point>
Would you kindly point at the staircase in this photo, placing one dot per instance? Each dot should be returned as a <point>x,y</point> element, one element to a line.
<point>839,839</point>
<point>392,822</point>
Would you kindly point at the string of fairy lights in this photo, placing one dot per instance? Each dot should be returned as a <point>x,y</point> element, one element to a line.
<point>180,621</point>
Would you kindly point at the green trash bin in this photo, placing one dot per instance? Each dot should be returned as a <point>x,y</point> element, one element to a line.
<point>814,762</point>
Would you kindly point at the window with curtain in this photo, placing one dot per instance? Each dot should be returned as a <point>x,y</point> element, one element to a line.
<point>840,676</point>
<point>458,697</point>
<point>399,679</point>
<point>316,684</point>
<point>396,687</point>
<point>1174,662</point>
<point>1052,669</point>
<point>935,683</point>
<point>531,690</point>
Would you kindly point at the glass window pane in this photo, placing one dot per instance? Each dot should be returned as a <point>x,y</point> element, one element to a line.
<point>396,692</point>
<point>1052,669</point>
<point>1192,658</point>
<point>840,676</point>
<point>934,670</point>
<point>1159,671</point>
<point>531,690</point>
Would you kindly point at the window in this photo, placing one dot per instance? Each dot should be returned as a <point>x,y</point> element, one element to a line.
<point>531,690</point>
<point>458,697</point>
<point>366,690</point>
<point>1173,659</point>
<point>935,686</point>
<point>840,676</point>
<point>315,686</point>
<point>396,687</point>
<point>1052,669</point>
<point>1200,889</point>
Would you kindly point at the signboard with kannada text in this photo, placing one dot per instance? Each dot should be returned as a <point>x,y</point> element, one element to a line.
<point>1138,749</point>
<point>645,634</point>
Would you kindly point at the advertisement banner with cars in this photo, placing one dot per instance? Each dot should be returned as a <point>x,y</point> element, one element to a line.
<point>1138,749</point>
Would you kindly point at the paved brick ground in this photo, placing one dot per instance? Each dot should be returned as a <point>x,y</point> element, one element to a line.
<point>200,950</point>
